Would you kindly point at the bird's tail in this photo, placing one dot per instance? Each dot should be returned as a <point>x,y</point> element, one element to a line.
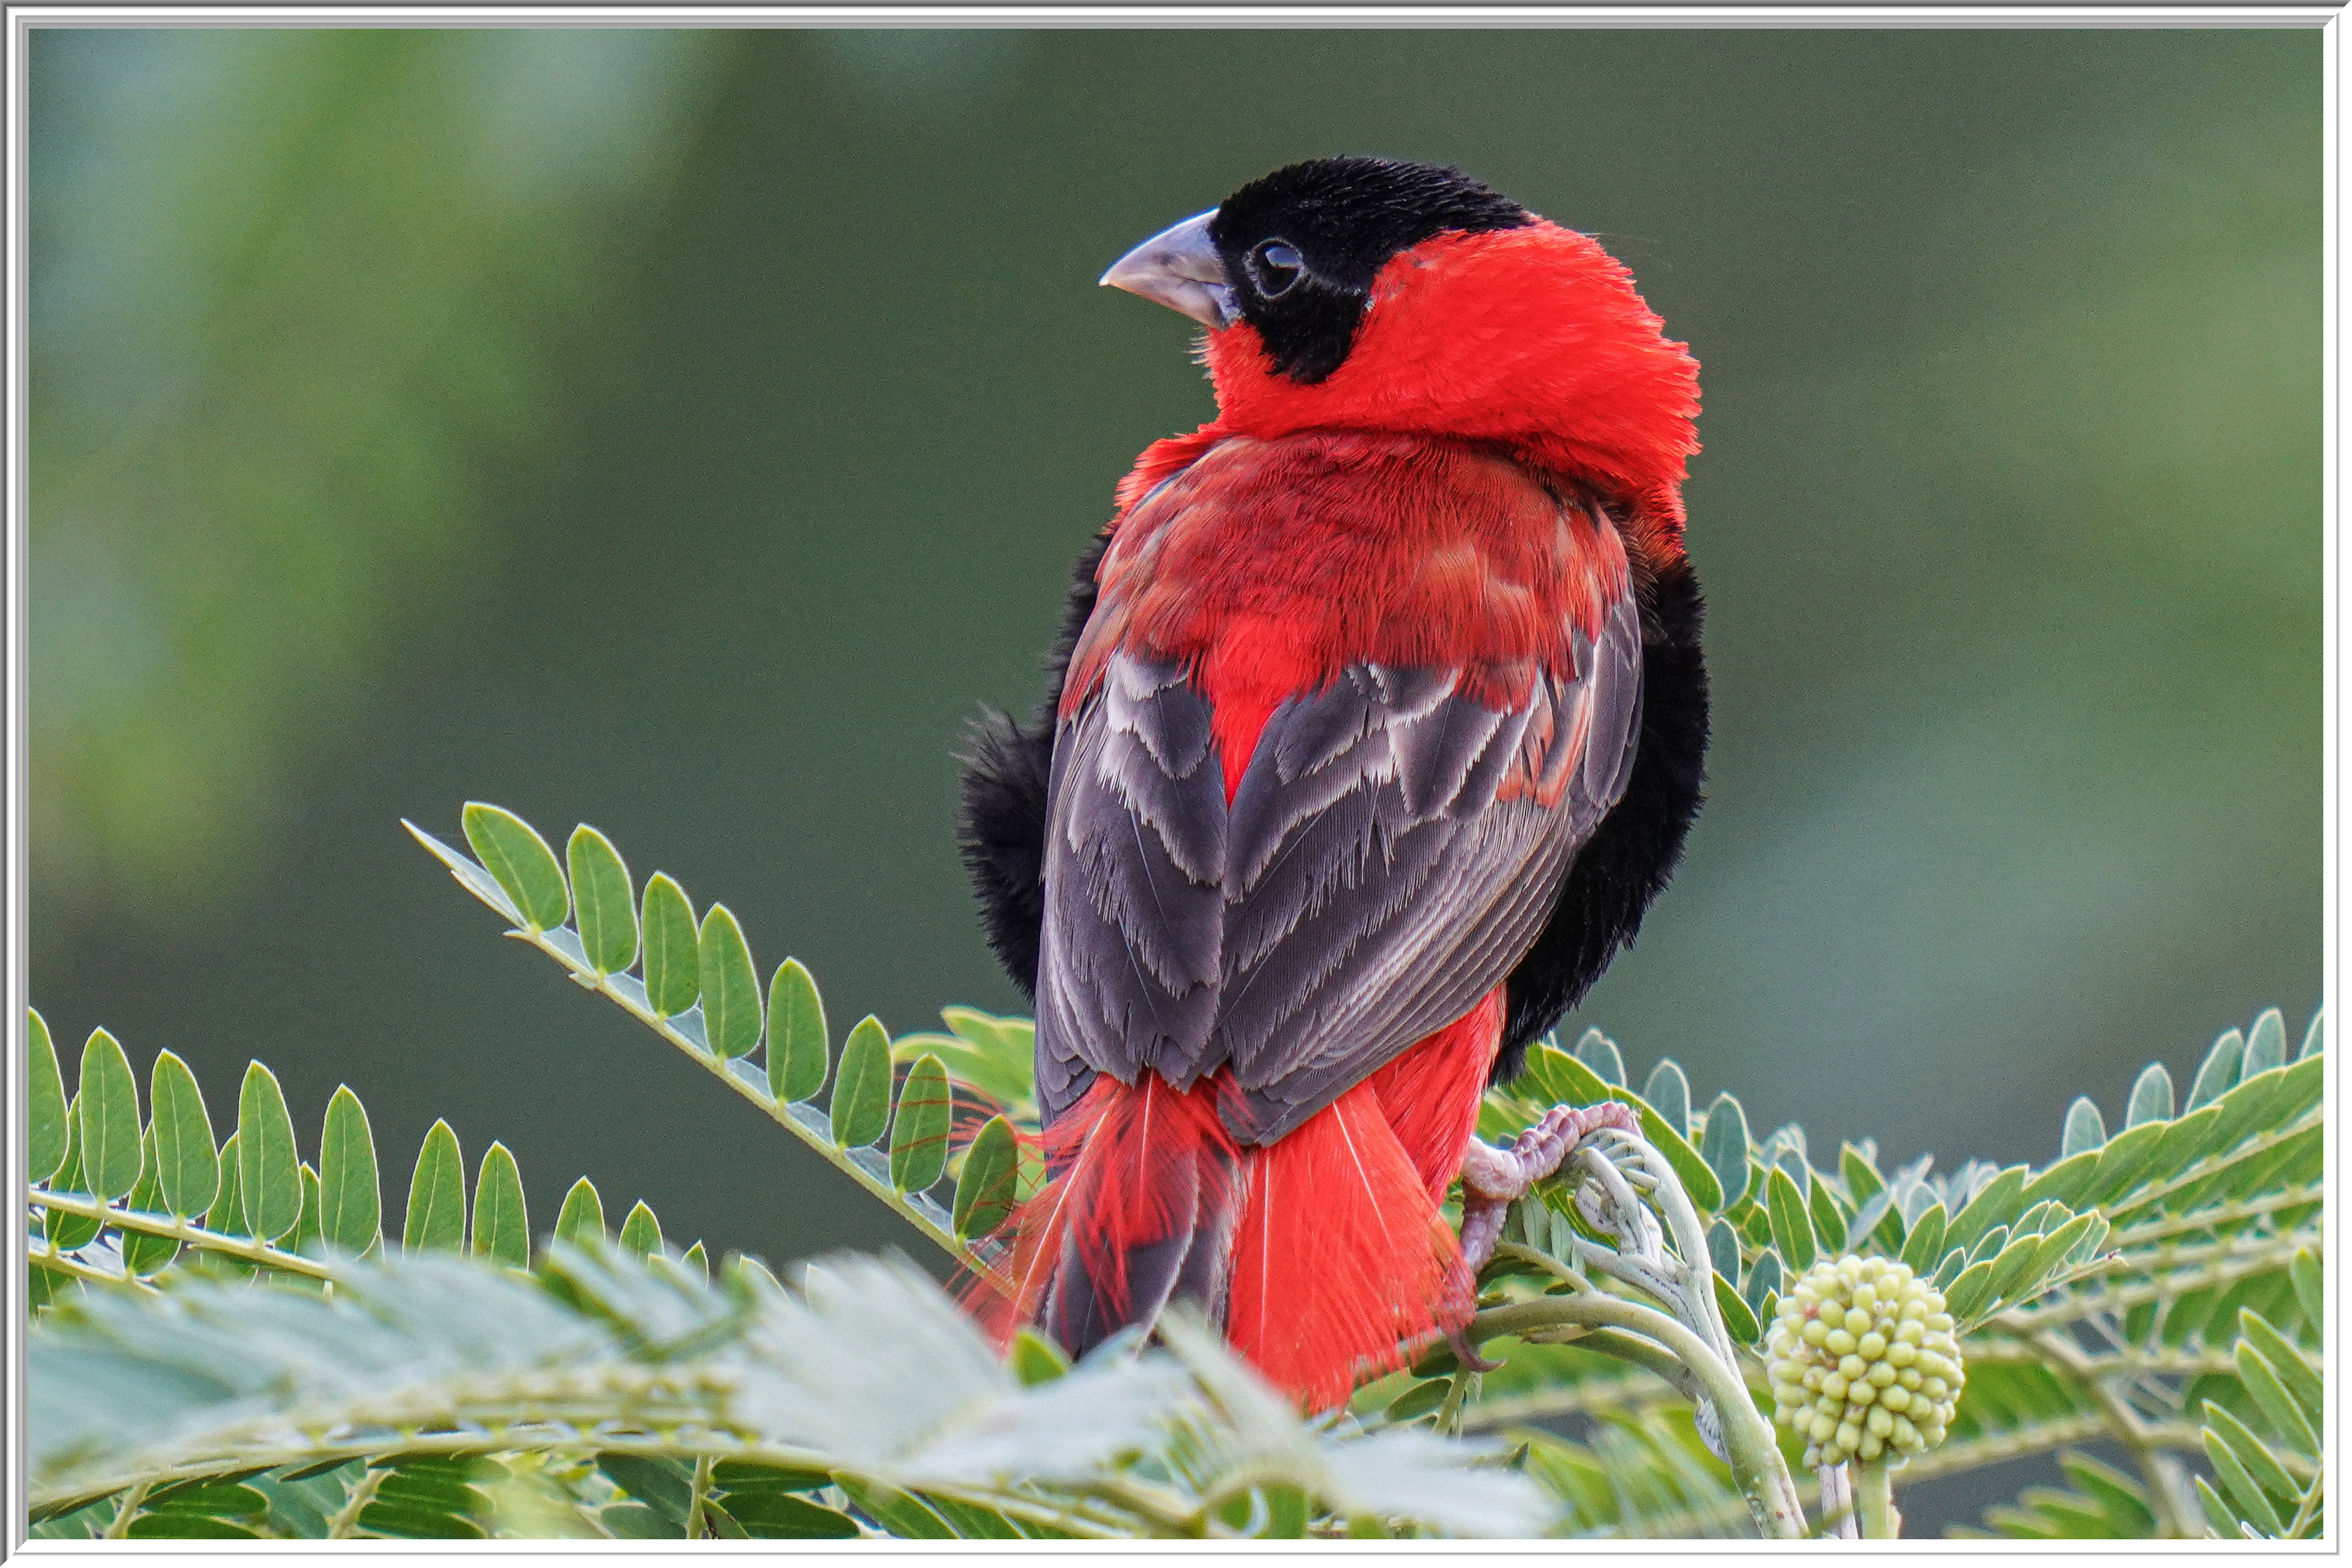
<point>1324,1255</point>
<point>1147,1185</point>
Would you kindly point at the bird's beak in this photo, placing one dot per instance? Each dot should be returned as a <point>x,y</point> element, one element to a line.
<point>1179,269</point>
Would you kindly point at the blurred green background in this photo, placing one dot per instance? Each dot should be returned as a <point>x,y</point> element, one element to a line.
<point>683,432</point>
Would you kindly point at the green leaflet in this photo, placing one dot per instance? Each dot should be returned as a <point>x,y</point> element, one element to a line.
<point>2248,1473</point>
<point>187,1167</point>
<point>1599,1054</point>
<point>1925,1247</point>
<point>227,1213</point>
<point>730,987</point>
<point>995,1055</point>
<point>1035,1360</point>
<point>2069,1180</point>
<point>2315,1038</point>
<point>1738,1322</point>
<point>984,1191</point>
<point>673,949</point>
<point>798,1046</point>
<point>1765,1280</point>
<point>46,1137</point>
<point>581,1217</point>
<point>141,1253</point>
<point>511,850</point>
<point>306,1239</point>
<point>2085,1129</point>
<point>2151,1097</point>
<point>1971,1289</point>
<point>640,1231</point>
<point>66,1231</point>
<point>108,1102</point>
<point>501,1219</point>
<point>270,1178</point>
<point>1668,1091</point>
<point>2218,1073</point>
<point>351,1198</point>
<point>604,900</point>
<point>1793,1232</point>
<point>435,1217</point>
<point>918,1133</point>
<point>2264,1382</point>
<point>1726,1145</point>
<point>1996,1203</point>
<point>2285,1361</point>
<point>697,1260</point>
<point>1829,1220</point>
<point>861,1090</point>
<point>2310,1289</point>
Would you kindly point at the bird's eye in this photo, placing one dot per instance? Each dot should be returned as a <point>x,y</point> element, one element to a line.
<point>1274,267</point>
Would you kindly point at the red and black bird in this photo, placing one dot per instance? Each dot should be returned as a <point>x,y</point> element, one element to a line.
<point>1376,721</point>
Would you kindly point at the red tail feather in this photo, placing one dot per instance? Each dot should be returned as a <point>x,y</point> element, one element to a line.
<point>1324,1255</point>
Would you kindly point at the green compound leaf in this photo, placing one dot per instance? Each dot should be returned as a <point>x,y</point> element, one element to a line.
<point>798,1046</point>
<point>112,1156</point>
<point>2218,1074</point>
<point>1724,1145</point>
<point>640,1232</point>
<point>436,1195</point>
<point>918,1133</point>
<point>270,1178</point>
<point>2085,1129</point>
<point>2151,1097</point>
<point>730,988</point>
<point>351,1196</point>
<point>187,1167</point>
<point>861,1091</point>
<point>581,1217</point>
<point>1793,1232</point>
<point>501,1218</point>
<point>511,850</point>
<point>606,901</point>
<point>984,1191</point>
<point>673,951</point>
<point>45,1136</point>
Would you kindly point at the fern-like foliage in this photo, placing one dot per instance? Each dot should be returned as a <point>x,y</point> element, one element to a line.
<point>860,1402</point>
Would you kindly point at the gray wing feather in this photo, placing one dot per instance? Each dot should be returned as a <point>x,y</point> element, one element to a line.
<point>1366,887</point>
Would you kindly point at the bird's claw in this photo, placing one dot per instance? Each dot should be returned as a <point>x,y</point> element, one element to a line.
<point>1467,1353</point>
<point>1492,1178</point>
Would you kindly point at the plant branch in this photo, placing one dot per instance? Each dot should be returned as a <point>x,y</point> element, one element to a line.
<point>178,1230</point>
<point>1755,1458</point>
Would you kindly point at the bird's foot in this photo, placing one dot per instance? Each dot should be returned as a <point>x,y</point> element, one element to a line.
<point>1492,1179</point>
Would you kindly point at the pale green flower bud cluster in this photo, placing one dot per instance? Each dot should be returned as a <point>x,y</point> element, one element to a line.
<point>1863,1362</point>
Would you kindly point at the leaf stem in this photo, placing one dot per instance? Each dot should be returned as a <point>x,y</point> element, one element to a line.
<point>777,1111</point>
<point>118,1527</point>
<point>1756,1463</point>
<point>179,1229</point>
<point>347,1518</point>
<point>696,1518</point>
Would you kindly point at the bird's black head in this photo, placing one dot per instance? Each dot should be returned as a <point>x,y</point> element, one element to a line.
<point>1301,246</point>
